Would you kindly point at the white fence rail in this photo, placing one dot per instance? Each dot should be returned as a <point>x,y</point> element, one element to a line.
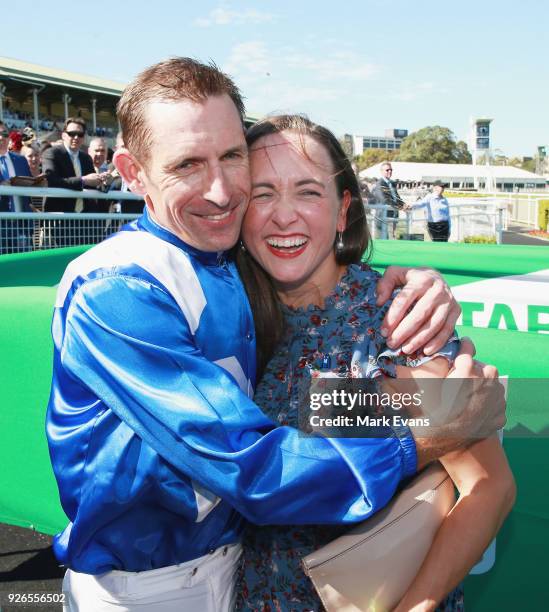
<point>17,193</point>
<point>24,231</point>
<point>20,231</point>
<point>469,217</point>
<point>521,208</point>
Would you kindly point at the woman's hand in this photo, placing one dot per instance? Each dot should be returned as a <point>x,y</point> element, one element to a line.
<point>434,309</point>
<point>486,495</point>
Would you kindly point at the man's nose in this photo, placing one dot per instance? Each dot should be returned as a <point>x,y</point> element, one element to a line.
<point>217,189</point>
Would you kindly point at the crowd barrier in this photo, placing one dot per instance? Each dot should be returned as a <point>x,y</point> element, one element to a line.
<point>504,292</point>
<point>22,232</point>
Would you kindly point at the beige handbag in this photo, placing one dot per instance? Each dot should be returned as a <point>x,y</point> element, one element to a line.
<point>370,567</point>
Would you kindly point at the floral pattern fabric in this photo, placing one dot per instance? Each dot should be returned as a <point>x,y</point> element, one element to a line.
<point>341,340</point>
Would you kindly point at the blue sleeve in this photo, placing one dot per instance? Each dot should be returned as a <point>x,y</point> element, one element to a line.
<point>421,203</point>
<point>194,416</point>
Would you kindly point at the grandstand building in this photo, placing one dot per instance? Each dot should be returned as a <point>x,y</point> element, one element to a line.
<point>461,176</point>
<point>391,141</point>
<point>42,98</point>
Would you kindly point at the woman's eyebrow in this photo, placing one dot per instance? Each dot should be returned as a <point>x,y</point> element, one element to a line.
<point>266,185</point>
<point>310,180</point>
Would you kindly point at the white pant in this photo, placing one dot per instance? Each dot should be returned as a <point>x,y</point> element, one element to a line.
<point>205,584</point>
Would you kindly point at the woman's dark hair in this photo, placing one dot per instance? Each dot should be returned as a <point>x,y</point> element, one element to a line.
<point>356,237</point>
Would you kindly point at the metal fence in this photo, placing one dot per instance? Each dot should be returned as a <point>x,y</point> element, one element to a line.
<point>23,231</point>
<point>469,217</point>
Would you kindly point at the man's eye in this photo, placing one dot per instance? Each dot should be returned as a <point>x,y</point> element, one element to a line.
<point>310,193</point>
<point>233,155</point>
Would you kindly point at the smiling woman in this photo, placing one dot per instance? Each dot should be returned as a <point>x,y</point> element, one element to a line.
<point>301,200</point>
<point>305,227</point>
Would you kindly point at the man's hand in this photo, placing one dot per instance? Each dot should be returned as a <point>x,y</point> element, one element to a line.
<point>434,309</point>
<point>92,180</point>
<point>482,413</point>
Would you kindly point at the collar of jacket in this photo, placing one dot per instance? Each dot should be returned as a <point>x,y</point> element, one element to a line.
<point>148,224</point>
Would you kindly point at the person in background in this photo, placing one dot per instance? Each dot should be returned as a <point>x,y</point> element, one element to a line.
<point>14,236</point>
<point>28,136</point>
<point>385,192</point>
<point>15,141</point>
<point>438,213</point>
<point>69,167</point>
<point>97,150</point>
<point>129,207</point>
<point>31,153</point>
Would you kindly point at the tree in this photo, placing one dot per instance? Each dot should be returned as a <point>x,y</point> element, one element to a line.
<point>528,164</point>
<point>371,157</point>
<point>434,144</point>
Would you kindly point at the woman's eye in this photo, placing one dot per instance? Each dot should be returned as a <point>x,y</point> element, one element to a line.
<point>261,196</point>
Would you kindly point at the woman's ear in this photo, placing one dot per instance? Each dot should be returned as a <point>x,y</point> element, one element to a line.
<point>342,216</point>
<point>130,170</point>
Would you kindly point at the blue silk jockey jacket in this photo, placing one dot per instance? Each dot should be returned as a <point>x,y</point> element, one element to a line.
<point>159,452</point>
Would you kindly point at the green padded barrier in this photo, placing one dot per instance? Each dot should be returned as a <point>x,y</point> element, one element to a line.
<point>28,494</point>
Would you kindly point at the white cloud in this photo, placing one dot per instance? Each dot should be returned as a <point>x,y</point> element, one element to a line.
<point>221,16</point>
<point>251,56</point>
<point>283,79</point>
<point>335,66</point>
<point>256,57</point>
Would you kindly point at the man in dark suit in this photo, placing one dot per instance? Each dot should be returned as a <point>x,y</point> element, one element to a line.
<point>14,235</point>
<point>68,167</point>
<point>385,192</point>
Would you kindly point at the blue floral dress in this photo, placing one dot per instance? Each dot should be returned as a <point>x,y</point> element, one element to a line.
<point>342,337</point>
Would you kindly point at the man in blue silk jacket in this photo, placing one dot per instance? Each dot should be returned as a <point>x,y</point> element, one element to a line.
<point>159,451</point>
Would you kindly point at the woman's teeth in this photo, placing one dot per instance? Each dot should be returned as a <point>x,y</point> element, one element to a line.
<point>286,242</point>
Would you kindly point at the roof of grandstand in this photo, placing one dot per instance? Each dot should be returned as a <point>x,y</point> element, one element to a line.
<point>22,74</point>
<point>40,75</point>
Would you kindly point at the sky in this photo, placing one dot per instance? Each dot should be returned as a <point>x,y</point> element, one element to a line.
<point>356,66</point>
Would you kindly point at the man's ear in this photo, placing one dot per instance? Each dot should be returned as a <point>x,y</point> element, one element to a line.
<point>342,216</point>
<point>130,170</point>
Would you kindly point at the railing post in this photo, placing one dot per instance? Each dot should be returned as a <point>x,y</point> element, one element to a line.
<point>94,115</point>
<point>2,95</point>
<point>17,203</point>
<point>384,234</point>
<point>373,224</point>
<point>66,101</point>
<point>36,109</point>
